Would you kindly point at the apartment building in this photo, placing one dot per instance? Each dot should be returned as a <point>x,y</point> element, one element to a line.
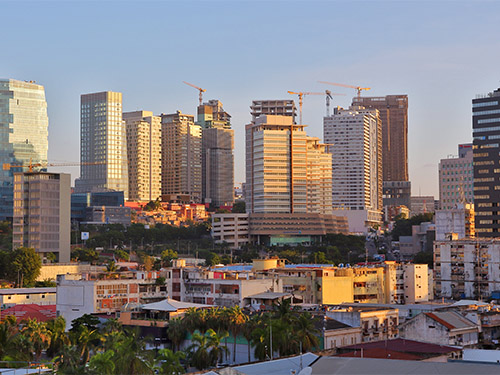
<point>217,154</point>
<point>356,136</point>
<point>103,144</point>
<point>459,220</point>
<point>456,179</point>
<point>144,155</point>
<point>376,323</point>
<point>231,229</point>
<point>466,268</point>
<point>105,293</point>
<point>23,134</point>
<point>181,158</point>
<point>42,213</point>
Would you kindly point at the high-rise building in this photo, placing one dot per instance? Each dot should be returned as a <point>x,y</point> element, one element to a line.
<point>217,154</point>
<point>181,158</point>
<point>356,138</point>
<point>273,107</point>
<point>42,213</point>
<point>456,179</point>
<point>23,134</point>
<point>144,155</point>
<point>103,144</point>
<point>486,156</point>
<point>287,171</point>
<point>393,111</point>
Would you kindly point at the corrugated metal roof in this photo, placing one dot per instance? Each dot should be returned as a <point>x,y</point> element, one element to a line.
<point>404,345</point>
<point>451,319</point>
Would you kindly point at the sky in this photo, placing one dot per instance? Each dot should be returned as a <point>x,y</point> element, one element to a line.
<point>440,53</point>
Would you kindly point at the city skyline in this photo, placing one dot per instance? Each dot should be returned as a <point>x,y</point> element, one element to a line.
<point>428,52</point>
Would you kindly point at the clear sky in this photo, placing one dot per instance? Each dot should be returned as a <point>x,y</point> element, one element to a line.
<point>440,53</point>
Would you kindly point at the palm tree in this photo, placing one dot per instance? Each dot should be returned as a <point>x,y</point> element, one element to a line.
<point>306,332</point>
<point>247,330</point>
<point>194,319</point>
<point>112,325</point>
<point>38,335</point>
<point>236,321</point>
<point>8,340</point>
<point>206,350</point>
<point>214,345</point>
<point>68,361</point>
<point>59,338</point>
<point>130,354</point>
<point>176,332</point>
<point>170,362</point>
<point>85,339</point>
<point>102,363</point>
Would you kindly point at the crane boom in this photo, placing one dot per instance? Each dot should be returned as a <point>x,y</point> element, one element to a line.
<point>198,88</point>
<point>357,88</point>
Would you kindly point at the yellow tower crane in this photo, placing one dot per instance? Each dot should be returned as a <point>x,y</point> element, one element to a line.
<point>198,88</point>
<point>357,88</point>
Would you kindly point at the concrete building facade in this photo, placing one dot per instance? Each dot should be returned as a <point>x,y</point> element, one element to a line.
<point>273,107</point>
<point>231,229</point>
<point>103,144</point>
<point>144,155</point>
<point>459,220</point>
<point>467,268</point>
<point>181,157</point>
<point>422,205</point>
<point>23,135</point>
<point>456,179</point>
<point>486,155</point>
<point>217,154</point>
<point>42,213</point>
<point>356,136</point>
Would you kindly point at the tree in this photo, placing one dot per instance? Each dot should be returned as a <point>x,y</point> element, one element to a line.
<point>305,331</point>
<point>59,338</point>
<point>212,259</point>
<point>176,332</point>
<point>121,254</point>
<point>38,335</point>
<point>424,257</point>
<point>236,321</point>
<point>85,255</point>
<point>239,207</point>
<point>86,320</point>
<point>170,362</point>
<point>206,350</point>
<point>26,265</point>
<point>167,256</point>
<point>102,363</point>
<point>130,354</point>
<point>148,263</point>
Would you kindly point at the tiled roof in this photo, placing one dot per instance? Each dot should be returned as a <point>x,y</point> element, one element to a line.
<point>31,311</point>
<point>381,353</point>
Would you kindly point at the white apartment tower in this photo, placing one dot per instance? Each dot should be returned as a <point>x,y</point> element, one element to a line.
<point>181,158</point>
<point>355,136</point>
<point>103,142</point>
<point>287,171</point>
<point>144,155</point>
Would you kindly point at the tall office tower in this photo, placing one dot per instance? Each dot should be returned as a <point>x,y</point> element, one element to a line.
<point>217,154</point>
<point>103,144</point>
<point>23,134</point>
<point>456,179</point>
<point>42,214</point>
<point>144,155</point>
<point>356,135</point>
<point>273,107</point>
<point>181,158</point>
<point>486,156</point>
<point>393,111</point>
<point>286,171</point>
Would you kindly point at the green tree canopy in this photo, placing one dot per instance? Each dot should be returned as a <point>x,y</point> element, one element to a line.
<point>25,266</point>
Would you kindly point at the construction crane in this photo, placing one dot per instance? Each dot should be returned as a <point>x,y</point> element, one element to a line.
<point>329,97</point>
<point>301,96</point>
<point>31,165</point>
<point>198,88</point>
<point>357,88</point>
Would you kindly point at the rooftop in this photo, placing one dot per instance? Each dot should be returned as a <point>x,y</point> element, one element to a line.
<point>6,291</point>
<point>406,346</point>
<point>451,319</point>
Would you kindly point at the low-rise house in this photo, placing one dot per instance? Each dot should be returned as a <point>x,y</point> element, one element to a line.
<point>14,296</point>
<point>337,334</point>
<point>441,327</point>
<point>41,313</point>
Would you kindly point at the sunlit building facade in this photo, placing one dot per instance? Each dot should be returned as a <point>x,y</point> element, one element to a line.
<point>103,144</point>
<point>181,158</point>
<point>144,155</point>
<point>23,134</point>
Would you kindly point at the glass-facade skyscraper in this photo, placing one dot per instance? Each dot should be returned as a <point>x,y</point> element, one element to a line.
<point>103,144</point>
<point>23,134</point>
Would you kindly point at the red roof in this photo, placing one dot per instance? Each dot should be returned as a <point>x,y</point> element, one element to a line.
<point>31,311</point>
<point>404,345</point>
<point>381,353</point>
